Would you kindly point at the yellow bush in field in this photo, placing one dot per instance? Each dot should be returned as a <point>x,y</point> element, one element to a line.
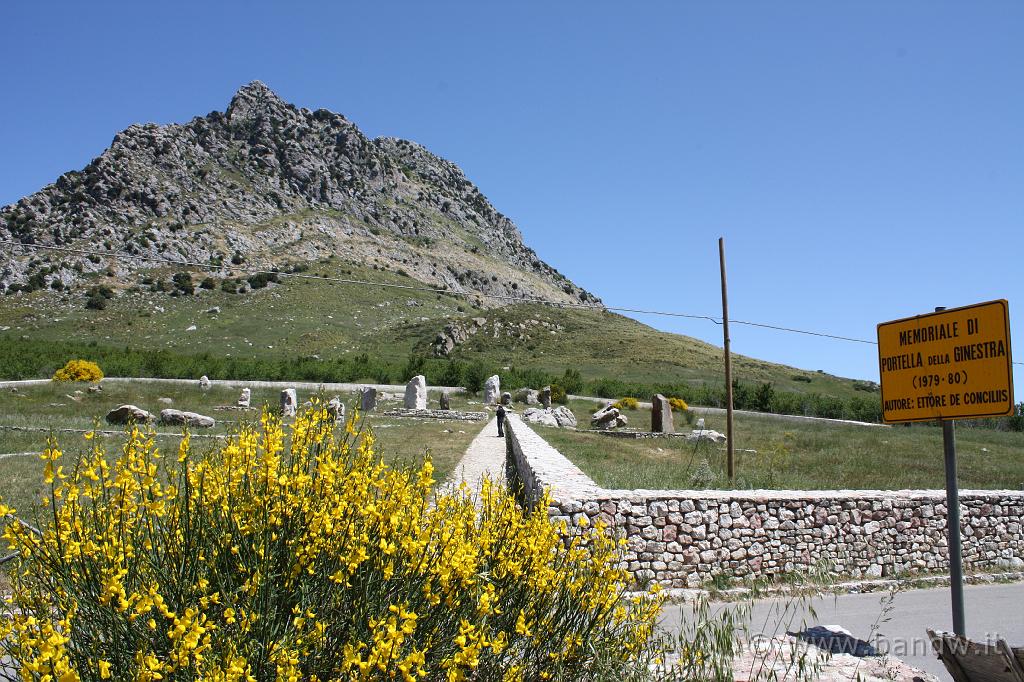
<point>78,370</point>
<point>678,404</point>
<point>298,554</point>
<point>626,404</point>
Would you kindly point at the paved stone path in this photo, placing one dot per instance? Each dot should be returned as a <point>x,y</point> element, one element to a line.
<point>485,456</point>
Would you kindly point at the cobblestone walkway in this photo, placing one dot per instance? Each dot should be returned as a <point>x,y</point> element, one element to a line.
<point>485,456</point>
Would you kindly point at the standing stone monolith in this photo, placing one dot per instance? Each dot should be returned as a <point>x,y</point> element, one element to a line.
<point>204,382</point>
<point>336,409</point>
<point>545,397</point>
<point>492,390</point>
<point>416,393</point>
<point>289,402</point>
<point>661,415</point>
<point>367,399</point>
<point>245,398</point>
<point>506,398</point>
<point>445,402</point>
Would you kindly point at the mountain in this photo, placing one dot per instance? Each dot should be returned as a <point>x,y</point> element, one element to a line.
<point>267,184</point>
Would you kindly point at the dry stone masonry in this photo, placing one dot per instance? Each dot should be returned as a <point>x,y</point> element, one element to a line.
<point>681,538</point>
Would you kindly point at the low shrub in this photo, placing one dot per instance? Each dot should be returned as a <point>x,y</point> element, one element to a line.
<point>78,370</point>
<point>678,405</point>
<point>558,394</point>
<point>626,404</point>
<point>298,554</point>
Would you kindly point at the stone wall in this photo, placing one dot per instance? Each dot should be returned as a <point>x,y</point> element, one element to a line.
<point>681,538</point>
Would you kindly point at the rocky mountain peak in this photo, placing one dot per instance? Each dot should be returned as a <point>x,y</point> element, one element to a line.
<point>269,184</point>
<point>253,101</point>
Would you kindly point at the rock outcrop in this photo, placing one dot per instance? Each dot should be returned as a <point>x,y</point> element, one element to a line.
<point>268,182</point>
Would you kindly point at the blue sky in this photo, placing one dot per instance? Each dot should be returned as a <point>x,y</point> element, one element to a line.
<point>863,160</point>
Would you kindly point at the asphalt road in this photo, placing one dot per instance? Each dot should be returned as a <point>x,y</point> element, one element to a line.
<point>991,612</point>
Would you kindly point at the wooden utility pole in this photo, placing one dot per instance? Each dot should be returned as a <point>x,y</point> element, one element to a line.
<point>730,445</point>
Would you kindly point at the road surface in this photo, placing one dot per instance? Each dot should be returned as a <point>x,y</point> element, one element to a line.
<point>992,611</point>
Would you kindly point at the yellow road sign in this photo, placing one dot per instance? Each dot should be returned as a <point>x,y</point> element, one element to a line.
<point>952,364</point>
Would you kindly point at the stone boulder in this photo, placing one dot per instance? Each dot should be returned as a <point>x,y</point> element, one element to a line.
<point>126,414</point>
<point>171,417</point>
<point>506,398</point>
<point>492,390</point>
<point>561,417</point>
<point>444,402</point>
<point>528,396</point>
<point>289,402</point>
<point>367,399</point>
<point>661,415</point>
<point>545,397</point>
<point>204,382</point>
<point>536,415</point>
<point>416,393</point>
<point>244,398</point>
<point>708,435</point>
<point>564,416</point>
<point>608,417</point>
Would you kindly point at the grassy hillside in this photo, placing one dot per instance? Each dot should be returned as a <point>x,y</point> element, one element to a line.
<point>329,322</point>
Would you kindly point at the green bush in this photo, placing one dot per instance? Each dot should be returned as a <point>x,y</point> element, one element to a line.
<point>558,394</point>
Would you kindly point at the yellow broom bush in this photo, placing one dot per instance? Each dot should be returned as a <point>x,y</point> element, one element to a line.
<point>298,554</point>
<point>78,370</point>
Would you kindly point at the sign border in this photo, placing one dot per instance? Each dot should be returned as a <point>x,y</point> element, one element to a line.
<point>1009,362</point>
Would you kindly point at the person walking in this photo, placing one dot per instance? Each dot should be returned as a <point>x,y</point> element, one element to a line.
<point>501,421</point>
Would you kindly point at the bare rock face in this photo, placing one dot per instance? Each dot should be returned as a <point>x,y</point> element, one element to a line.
<point>126,414</point>
<point>416,393</point>
<point>492,390</point>
<point>179,417</point>
<point>661,415</point>
<point>367,399</point>
<point>244,398</point>
<point>289,402</point>
<point>162,187</point>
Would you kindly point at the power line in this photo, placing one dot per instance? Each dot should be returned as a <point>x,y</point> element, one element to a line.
<point>447,292</point>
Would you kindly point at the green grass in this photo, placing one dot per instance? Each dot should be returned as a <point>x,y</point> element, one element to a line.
<point>792,455</point>
<point>54,406</point>
<point>333,321</point>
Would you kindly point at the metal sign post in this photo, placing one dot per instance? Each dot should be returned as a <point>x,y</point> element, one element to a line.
<point>956,553</point>
<point>956,558</point>
<point>947,365</point>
